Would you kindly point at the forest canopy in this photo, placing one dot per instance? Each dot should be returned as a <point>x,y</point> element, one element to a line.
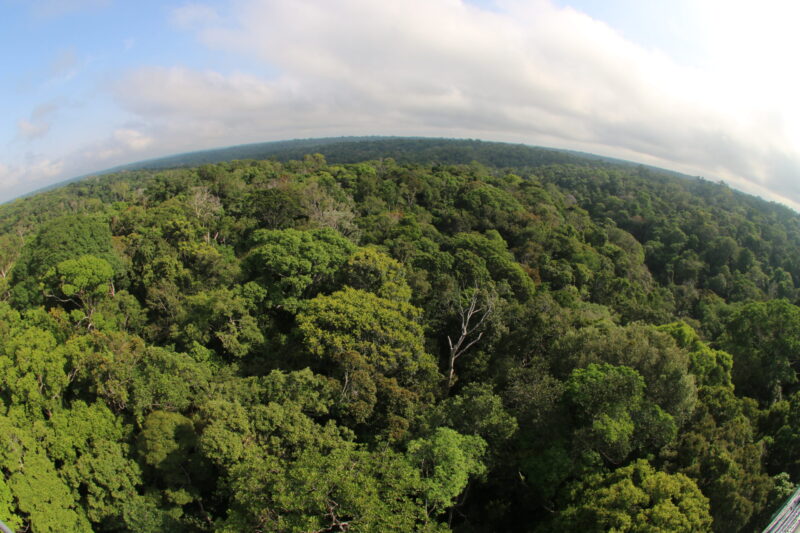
<point>398,335</point>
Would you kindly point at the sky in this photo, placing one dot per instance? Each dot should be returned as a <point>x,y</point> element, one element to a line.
<point>705,87</point>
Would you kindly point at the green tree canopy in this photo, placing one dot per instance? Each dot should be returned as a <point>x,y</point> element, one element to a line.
<point>764,339</point>
<point>63,238</point>
<point>612,414</point>
<point>371,343</point>
<point>635,498</point>
<point>293,264</point>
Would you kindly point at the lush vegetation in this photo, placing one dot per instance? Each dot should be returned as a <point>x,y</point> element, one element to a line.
<point>538,342</point>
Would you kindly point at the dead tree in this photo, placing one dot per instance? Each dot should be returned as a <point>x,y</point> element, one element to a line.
<point>206,208</point>
<point>473,317</point>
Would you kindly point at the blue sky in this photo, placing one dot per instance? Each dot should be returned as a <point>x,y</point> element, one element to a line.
<point>704,86</point>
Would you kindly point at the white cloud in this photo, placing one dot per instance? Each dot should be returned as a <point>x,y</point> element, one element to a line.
<point>132,139</point>
<point>38,124</point>
<point>171,92</point>
<point>34,172</point>
<point>193,14</point>
<point>28,130</point>
<point>123,143</point>
<point>6,178</point>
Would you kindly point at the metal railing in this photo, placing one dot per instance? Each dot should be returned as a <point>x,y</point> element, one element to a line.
<point>787,518</point>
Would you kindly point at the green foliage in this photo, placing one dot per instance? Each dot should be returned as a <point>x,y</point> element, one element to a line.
<point>386,334</point>
<point>81,282</point>
<point>276,345</point>
<point>91,444</point>
<point>372,345</point>
<point>783,421</point>
<point>371,270</point>
<point>34,370</point>
<point>132,377</point>
<point>478,411</point>
<point>488,254</point>
<point>293,264</point>
<point>720,449</point>
<point>164,439</point>
<point>64,238</point>
<point>7,507</point>
<point>275,208</point>
<point>764,338</point>
<point>635,498</point>
<point>652,353</point>
<point>222,319</point>
<point>446,461</point>
<point>342,489</point>
<point>710,367</point>
<point>43,500</point>
<point>612,414</point>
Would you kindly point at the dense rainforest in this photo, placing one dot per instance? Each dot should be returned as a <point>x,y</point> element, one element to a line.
<point>398,335</point>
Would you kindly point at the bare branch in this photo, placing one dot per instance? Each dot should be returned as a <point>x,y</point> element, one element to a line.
<point>473,319</point>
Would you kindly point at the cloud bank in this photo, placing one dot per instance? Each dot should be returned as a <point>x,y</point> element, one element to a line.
<point>527,71</point>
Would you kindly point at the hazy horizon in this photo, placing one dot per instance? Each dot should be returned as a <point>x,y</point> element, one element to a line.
<point>94,84</point>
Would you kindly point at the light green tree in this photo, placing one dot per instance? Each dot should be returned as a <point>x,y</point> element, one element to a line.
<point>91,445</point>
<point>82,283</point>
<point>635,498</point>
<point>293,264</point>
<point>375,349</point>
<point>33,371</point>
<point>43,500</point>
<point>446,461</point>
<point>372,270</point>
<point>612,414</point>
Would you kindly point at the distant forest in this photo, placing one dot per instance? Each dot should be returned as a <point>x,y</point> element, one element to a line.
<point>397,335</point>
